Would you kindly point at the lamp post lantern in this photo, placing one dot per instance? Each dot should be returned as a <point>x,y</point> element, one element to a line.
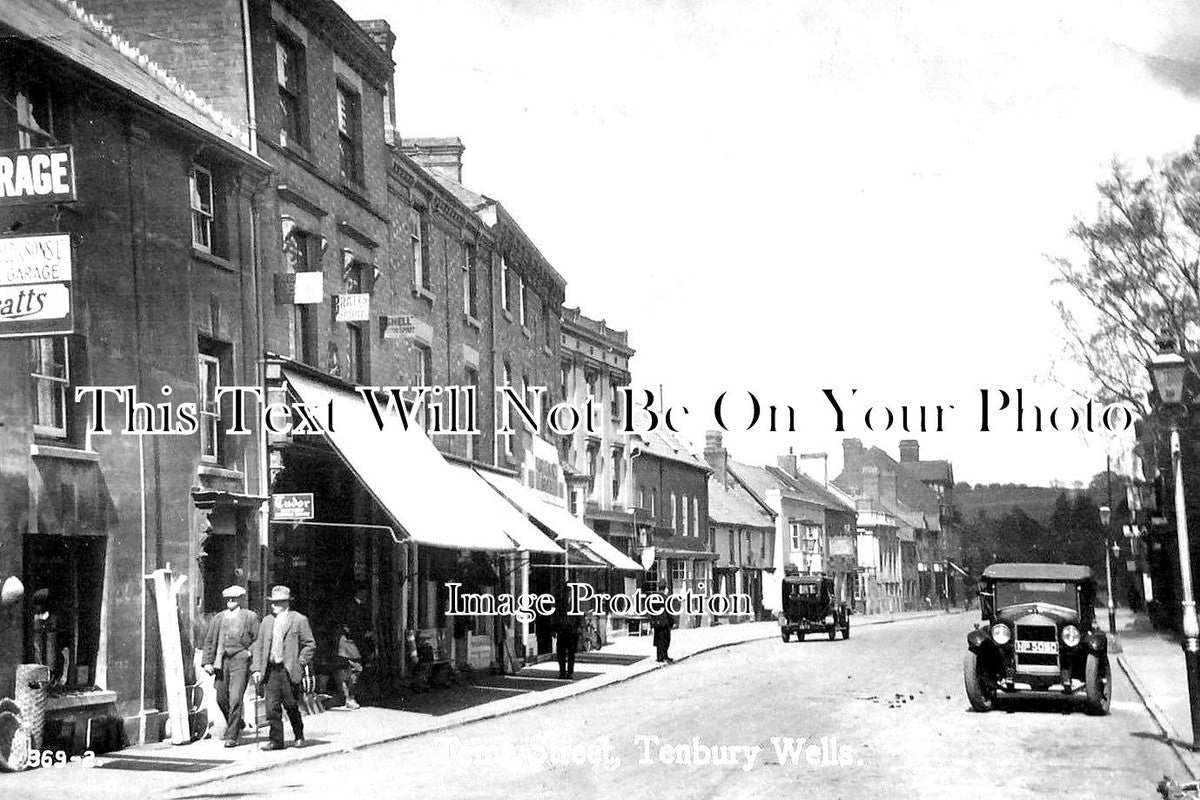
<point>1109,547</point>
<point>1167,370</point>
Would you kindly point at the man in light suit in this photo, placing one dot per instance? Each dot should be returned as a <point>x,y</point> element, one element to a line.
<point>227,645</point>
<point>284,647</point>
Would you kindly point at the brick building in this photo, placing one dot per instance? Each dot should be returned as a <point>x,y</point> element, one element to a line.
<point>164,260</point>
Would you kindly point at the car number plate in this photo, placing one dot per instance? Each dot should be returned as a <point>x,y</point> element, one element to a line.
<point>1037,647</point>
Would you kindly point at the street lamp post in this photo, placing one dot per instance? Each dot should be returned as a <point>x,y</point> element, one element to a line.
<point>1167,371</point>
<point>1106,520</point>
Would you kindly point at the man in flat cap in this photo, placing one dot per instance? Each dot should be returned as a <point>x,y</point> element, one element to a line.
<point>284,647</point>
<point>227,645</point>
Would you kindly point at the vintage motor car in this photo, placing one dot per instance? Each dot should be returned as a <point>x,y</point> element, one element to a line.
<point>1038,634</point>
<point>810,606</point>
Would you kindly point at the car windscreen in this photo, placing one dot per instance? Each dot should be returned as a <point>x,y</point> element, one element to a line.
<point>1011,593</point>
<point>808,589</point>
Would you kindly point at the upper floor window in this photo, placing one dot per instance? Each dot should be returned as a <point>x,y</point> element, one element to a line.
<point>200,183</point>
<point>209,409</point>
<point>470,379</point>
<point>547,327</point>
<point>358,352</point>
<point>796,535</point>
<point>521,300</point>
<point>563,374</point>
<point>418,237</point>
<point>695,516</point>
<point>424,365</point>
<point>685,526</point>
<point>51,379</point>
<point>293,95</point>
<point>674,513</point>
<point>35,117</point>
<point>298,250</point>
<point>615,400</point>
<point>349,117</point>
<point>504,292</point>
<point>616,473</point>
<point>470,286</point>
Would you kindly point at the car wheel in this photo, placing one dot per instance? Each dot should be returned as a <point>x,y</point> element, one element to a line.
<point>1098,684</point>
<point>846,630</point>
<point>832,631</point>
<point>981,689</point>
<point>786,635</point>
<point>799,636</point>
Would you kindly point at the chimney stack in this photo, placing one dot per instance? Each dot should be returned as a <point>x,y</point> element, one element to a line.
<point>910,451</point>
<point>852,463</point>
<point>887,486</point>
<point>787,463</point>
<point>870,482</point>
<point>716,456</point>
<point>437,153</point>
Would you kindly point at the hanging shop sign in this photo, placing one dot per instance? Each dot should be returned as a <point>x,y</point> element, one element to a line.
<point>397,326</point>
<point>41,175</point>
<point>35,286</point>
<point>292,507</point>
<point>352,307</point>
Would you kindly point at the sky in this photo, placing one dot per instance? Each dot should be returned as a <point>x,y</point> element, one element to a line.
<point>787,197</point>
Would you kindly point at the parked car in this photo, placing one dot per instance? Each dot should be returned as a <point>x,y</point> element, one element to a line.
<point>1038,634</point>
<point>810,606</point>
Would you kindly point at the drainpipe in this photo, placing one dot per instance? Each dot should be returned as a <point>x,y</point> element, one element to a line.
<point>251,121</point>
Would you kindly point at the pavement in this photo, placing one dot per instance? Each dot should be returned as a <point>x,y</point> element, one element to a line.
<point>1153,661</point>
<point>159,768</point>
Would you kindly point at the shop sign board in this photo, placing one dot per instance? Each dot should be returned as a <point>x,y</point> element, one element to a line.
<point>292,507</point>
<point>352,307</point>
<point>35,286</point>
<point>397,326</point>
<point>39,175</point>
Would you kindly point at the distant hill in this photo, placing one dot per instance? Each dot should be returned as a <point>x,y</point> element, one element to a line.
<point>1036,501</point>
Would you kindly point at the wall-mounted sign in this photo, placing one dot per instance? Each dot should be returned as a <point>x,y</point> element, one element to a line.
<point>35,286</point>
<point>42,175</point>
<point>310,288</point>
<point>352,307</point>
<point>397,327</point>
<point>292,507</point>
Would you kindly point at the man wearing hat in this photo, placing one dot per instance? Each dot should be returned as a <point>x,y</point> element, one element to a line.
<point>227,645</point>
<point>284,647</point>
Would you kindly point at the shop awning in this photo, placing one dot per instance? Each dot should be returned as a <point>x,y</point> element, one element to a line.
<point>559,521</point>
<point>404,472</point>
<point>525,535</point>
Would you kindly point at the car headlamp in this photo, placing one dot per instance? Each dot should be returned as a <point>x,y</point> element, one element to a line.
<point>1001,634</point>
<point>1071,636</point>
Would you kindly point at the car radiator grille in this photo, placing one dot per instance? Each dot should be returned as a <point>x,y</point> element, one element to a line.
<point>1037,633</point>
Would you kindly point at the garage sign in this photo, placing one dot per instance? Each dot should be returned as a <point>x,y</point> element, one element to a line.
<point>35,286</point>
<point>41,175</point>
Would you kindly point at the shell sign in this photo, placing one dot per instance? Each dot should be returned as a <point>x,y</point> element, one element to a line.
<point>35,286</point>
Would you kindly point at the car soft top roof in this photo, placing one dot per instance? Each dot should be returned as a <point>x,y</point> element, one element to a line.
<point>812,579</point>
<point>1039,572</point>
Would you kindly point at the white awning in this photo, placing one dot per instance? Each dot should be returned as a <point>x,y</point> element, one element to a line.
<point>559,520</point>
<point>515,525</point>
<point>404,472</point>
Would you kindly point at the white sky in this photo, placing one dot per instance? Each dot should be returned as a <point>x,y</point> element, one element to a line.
<point>790,196</point>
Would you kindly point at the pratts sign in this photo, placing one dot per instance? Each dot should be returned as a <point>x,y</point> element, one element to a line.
<point>44,175</point>
<point>35,285</point>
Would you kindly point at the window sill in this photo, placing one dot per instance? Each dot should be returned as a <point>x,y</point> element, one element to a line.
<point>421,291</point>
<point>80,700</point>
<point>214,260</point>
<point>215,471</point>
<point>64,453</point>
<point>473,322</point>
<point>508,315</point>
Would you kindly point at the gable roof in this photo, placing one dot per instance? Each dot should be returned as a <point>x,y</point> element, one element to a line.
<point>66,29</point>
<point>731,504</point>
<point>929,470</point>
<point>909,491</point>
<point>810,490</point>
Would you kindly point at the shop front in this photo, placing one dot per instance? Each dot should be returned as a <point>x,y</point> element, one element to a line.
<point>393,525</point>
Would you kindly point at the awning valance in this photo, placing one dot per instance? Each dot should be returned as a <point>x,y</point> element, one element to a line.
<point>404,472</point>
<point>559,521</point>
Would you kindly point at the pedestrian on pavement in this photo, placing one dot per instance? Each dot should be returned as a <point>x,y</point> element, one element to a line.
<point>350,668</point>
<point>285,646</point>
<point>662,624</point>
<point>227,645</point>
<point>566,628</point>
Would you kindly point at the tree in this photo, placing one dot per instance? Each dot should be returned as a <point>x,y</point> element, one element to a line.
<point>1137,277</point>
